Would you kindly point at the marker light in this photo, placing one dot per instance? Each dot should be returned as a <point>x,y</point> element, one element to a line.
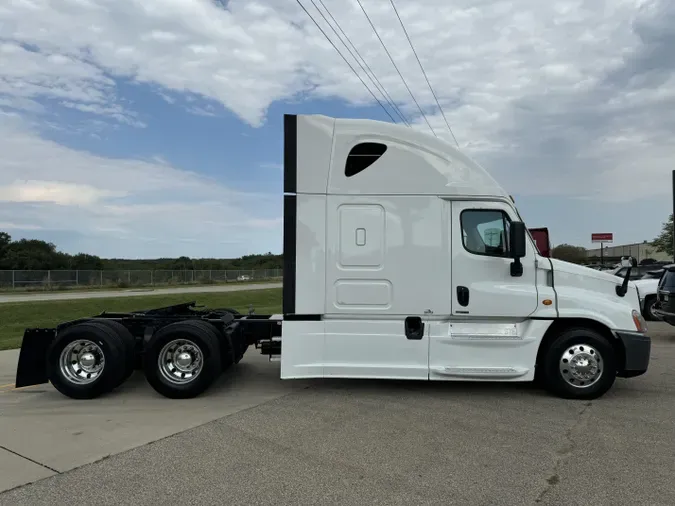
<point>640,323</point>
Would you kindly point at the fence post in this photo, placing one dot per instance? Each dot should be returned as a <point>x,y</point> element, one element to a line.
<point>77,277</point>
<point>152,277</point>
<point>129,277</point>
<point>49,278</point>
<point>100,273</point>
<point>13,280</point>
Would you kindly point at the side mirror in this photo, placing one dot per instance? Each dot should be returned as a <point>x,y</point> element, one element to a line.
<point>517,247</point>
<point>517,240</point>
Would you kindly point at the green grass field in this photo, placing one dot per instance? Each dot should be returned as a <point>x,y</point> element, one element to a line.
<point>15,317</point>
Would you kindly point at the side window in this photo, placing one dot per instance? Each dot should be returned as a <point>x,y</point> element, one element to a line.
<point>485,232</point>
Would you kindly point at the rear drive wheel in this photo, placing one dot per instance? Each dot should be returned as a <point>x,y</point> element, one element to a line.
<point>128,343</point>
<point>579,364</point>
<point>85,361</point>
<point>183,359</point>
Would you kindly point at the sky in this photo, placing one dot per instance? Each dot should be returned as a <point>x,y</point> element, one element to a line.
<point>153,128</point>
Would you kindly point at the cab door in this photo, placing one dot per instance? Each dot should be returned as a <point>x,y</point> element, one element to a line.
<point>483,286</point>
<point>485,334</point>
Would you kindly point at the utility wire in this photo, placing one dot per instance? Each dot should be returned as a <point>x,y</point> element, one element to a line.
<point>423,72</point>
<point>345,59</point>
<point>394,64</point>
<point>379,85</point>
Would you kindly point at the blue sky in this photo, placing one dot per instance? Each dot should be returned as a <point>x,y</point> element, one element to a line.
<point>145,129</point>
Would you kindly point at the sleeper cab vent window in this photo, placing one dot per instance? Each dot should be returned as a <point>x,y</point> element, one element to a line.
<point>363,156</point>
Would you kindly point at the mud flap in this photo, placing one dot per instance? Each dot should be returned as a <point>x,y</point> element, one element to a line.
<point>32,367</point>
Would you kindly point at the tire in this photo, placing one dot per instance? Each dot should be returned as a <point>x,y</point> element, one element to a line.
<point>197,339</point>
<point>579,342</point>
<point>128,343</point>
<point>649,308</point>
<point>87,338</point>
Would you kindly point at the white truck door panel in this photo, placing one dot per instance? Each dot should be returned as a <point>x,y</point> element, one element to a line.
<point>486,350</point>
<point>486,334</point>
<point>371,348</point>
<point>482,285</point>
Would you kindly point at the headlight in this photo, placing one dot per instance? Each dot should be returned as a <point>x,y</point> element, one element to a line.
<point>640,323</point>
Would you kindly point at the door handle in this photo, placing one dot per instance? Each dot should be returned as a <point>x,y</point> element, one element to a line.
<point>463,296</point>
<point>414,327</point>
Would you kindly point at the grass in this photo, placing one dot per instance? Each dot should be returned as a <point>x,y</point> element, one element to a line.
<point>15,317</point>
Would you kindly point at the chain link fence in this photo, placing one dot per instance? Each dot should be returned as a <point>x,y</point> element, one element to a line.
<point>63,279</point>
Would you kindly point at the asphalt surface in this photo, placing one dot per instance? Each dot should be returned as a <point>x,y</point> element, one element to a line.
<point>31,297</point>
<point>359,442</point>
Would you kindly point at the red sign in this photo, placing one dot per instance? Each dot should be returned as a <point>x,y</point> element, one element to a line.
<point>602,237</point>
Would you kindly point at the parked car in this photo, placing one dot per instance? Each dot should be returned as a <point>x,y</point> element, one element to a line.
<point>648,288</point>
<point>635,273</point>
<point>664,308</point>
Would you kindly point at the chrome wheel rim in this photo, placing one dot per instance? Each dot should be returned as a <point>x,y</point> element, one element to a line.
<point>581,365</point>
<point>82,362</point>
<point>180,361</point>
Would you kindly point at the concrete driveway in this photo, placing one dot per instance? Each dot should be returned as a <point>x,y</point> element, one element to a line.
<point>255,439</point>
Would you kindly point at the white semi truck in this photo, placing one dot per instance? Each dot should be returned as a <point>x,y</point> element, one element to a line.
<point>403,259</point>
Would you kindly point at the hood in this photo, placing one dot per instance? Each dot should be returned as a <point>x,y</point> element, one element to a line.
<point>586,272</point>
<point>574,275</point>
<point>583,292</point>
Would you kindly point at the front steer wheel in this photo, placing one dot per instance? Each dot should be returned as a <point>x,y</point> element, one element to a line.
<point>183,359</point>
<point>579,364</point>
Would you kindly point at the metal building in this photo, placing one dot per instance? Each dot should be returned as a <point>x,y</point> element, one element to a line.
<point>638,250</point>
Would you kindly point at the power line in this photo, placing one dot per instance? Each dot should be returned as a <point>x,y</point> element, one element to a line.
<point>423,72</point>
<point>379,85</point>
<point>394,64</point>
<point>345,59</point>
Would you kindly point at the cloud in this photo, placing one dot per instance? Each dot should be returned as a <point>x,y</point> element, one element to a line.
<point>567,98</point>
<point>120,202</point>
<point>55,192</point>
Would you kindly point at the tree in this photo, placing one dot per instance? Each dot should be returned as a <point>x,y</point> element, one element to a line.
<point>32,254</point>
<point>569,253</point>
<point>5,240</point>
<point>664,242</point>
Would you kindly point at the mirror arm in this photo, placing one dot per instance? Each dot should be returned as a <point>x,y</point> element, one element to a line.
<point>516,268</point>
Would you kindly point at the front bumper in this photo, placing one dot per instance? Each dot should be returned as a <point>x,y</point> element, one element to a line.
<point>637,351</point>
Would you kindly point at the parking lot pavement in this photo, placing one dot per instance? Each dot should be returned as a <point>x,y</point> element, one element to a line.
<point>365,442</point>
<point>55,434</point>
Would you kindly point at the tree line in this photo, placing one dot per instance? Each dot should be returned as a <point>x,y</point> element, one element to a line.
<point>35,254</point>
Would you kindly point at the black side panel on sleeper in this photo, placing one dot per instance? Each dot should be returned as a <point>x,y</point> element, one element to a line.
<point>290,234</point>
<point>290,153</point>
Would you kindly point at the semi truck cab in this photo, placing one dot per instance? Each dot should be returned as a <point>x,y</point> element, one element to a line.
<point>406,259</point>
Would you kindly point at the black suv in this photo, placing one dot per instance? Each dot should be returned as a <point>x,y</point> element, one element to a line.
<point>665,296</point>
